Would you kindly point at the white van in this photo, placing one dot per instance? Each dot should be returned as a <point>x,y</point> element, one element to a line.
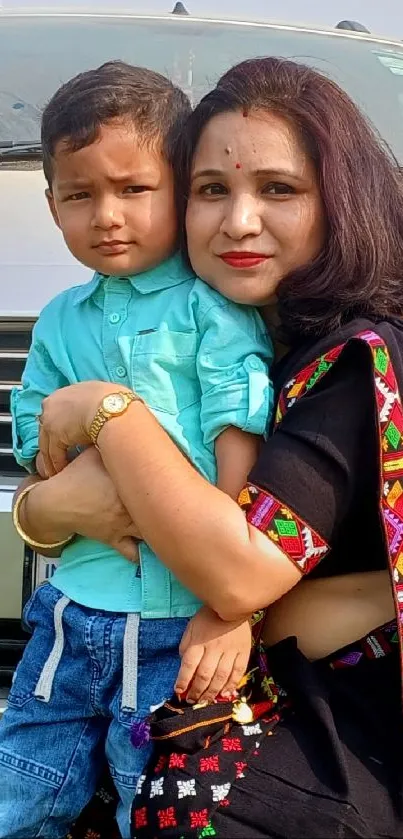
<point>39,51</point>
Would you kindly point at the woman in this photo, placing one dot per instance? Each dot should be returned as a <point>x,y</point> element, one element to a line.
<point>290,195</point>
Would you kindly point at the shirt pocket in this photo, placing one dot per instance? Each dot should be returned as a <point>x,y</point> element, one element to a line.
<point>163,369</point>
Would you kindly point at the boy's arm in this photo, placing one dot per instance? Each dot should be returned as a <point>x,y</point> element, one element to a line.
<point>233,363</point>
<point>215,653</point>
<point>236,452</point>
<point>40,378</point>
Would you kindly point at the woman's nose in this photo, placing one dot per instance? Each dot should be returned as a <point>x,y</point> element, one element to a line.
<point>241,218</point>
<point>107,214</point>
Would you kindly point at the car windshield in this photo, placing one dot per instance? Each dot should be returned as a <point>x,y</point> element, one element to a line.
<point>39,52</point>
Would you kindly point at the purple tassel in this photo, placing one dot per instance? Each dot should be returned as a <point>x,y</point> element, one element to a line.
<point>140,734</point>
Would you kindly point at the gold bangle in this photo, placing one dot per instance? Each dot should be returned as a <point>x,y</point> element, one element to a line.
<point>36,546</point>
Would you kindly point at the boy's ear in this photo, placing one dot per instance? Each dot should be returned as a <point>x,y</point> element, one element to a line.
<point>52,206</point>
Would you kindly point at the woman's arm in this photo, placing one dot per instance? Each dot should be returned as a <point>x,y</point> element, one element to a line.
<point>81,499</point>
<point>329,613</point>
<point>195,528</point>
<point>307,476</point>
<point>197,531</point>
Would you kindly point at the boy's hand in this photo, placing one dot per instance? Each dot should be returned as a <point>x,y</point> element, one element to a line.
<point>40,466</point>
<point>215,655</point>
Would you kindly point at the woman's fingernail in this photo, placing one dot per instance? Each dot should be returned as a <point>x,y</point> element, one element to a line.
<point>226,694</point>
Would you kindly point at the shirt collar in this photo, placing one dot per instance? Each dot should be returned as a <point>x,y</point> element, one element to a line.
<point>168,274</point>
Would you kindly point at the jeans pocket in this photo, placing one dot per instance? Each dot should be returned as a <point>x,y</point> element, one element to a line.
<point>27,610</point>
<point>39,620</point>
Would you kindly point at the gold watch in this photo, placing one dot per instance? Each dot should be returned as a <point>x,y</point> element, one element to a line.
<point>113,405</point>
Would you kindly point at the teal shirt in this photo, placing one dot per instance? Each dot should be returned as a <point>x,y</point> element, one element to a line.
<point>200,362</point>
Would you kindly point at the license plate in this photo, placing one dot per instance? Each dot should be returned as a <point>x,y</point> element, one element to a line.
<point>43,569</point>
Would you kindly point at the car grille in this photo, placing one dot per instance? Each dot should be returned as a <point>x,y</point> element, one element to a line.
<point>15,341</point>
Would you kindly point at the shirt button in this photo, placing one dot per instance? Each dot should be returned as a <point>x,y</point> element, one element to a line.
<point>121,372</point>
<point>114,317</point>
<point>254,364</point>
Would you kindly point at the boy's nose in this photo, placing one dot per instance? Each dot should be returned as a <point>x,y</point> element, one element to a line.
<point>107,215</point>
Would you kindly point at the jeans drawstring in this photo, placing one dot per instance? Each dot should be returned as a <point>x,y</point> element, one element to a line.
<point>43,689</point>
<point>44,684</point>
<point>130,662</point>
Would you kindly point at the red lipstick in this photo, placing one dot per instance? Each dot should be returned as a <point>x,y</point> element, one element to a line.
<point>243,259</point>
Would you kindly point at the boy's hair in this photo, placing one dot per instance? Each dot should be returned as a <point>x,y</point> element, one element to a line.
<point>156,107</point>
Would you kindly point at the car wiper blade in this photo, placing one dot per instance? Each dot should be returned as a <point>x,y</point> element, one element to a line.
<point>20,149</point>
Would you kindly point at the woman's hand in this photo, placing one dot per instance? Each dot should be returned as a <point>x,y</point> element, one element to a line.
<point>82,499</point>
<point>66,418</point>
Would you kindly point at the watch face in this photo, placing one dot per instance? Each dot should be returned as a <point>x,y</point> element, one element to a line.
<point>114,403</point>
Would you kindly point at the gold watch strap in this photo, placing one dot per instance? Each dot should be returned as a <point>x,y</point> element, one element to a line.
<point>36,546</point>
<point>101,416</point>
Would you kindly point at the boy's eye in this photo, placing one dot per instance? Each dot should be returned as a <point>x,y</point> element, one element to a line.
<point>213,189</point>
<point>278,189</point>
<point>77,196</point>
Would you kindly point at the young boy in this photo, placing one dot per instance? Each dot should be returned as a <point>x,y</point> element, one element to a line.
<point>106,636</point>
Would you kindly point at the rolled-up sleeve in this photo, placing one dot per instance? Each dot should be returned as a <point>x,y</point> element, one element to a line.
<point>40,378</point>
<point>233,365</point>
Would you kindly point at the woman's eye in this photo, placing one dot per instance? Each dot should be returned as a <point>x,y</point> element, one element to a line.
<point>278,189</point>
<point>212,189</point>
<point>136,189</point>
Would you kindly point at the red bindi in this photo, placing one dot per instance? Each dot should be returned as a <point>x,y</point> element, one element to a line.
<point>238,166</point>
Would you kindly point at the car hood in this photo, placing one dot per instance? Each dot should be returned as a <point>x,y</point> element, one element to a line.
<point>34,261</point>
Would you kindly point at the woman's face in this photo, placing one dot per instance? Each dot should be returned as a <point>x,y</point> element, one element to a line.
<point>255,211</point>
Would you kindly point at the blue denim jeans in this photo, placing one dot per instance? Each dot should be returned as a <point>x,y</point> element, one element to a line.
<point>85,677</point>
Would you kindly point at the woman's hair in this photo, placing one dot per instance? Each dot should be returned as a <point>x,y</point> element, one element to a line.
<point>359,271</point>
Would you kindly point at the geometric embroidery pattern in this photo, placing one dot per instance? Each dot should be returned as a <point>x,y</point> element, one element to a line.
<point>210,764</point>
<point>292,535</point>
<point>186,788</point>
<point>167,818</point>
<point>220,791</point>
<point>390,432</point>
<point>157,787</point>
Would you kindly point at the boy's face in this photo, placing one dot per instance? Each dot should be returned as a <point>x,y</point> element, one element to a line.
<point>114,201</point>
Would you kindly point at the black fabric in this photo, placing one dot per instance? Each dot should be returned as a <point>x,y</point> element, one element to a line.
<point>323,460</point>
<point>332,767</point>
<point>97,820</point>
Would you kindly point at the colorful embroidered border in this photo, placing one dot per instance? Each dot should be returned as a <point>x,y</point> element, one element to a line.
<point>390,429</point>
<point>292,535</point>
<point>378,644</point>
